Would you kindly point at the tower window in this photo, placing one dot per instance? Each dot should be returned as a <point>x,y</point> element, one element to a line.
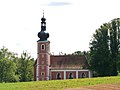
<point>42,74</point>
<point>42,47</point>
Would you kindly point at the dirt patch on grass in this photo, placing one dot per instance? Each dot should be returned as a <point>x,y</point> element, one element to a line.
<point>98,87</point>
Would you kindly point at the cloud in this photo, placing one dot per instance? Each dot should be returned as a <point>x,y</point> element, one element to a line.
<point>58,3</point>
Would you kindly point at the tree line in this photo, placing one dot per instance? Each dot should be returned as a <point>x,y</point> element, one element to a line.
<point>14,68</point>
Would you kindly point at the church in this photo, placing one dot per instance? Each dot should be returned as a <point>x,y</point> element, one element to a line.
<point>57,67</point>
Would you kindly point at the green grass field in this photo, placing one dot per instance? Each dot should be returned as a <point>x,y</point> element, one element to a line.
<point>58,84</point>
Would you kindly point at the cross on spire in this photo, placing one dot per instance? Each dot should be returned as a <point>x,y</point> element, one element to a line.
<point>43,13</point>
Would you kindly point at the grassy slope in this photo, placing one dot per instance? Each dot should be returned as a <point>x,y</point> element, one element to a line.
<point>58,84</point>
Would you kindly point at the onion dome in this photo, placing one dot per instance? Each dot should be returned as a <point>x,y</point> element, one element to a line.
<point>43,35</point>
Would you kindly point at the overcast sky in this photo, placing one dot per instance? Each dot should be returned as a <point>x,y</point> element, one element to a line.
<point>70,23</point>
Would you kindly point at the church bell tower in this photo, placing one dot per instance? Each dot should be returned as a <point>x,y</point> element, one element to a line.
<point>43,53</point>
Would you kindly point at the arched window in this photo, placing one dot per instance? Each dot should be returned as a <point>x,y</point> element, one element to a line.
<point>83,75</point>
<point>70,76</point>
<point>43,47</point>
<point>58,76</point>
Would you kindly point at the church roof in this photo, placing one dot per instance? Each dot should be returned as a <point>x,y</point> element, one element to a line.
<point>68,62</point>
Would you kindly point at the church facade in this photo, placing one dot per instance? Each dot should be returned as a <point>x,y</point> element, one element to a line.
<point>57,67</point>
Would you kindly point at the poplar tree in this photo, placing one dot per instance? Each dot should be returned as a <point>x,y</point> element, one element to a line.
<point>114,30</point>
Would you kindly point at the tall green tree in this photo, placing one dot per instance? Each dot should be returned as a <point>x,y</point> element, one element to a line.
<point>114,31</point>
<point>7,66</point>
<point>99,51</point>
<point>25,67</point>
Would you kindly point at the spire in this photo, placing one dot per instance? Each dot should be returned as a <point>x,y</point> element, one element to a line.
<point>43,23</point>
<point>43,13</point>
<point>43,19</point>
<point>42,34</point>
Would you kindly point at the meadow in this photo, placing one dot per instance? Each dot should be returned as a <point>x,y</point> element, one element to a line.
<point>59,84</point>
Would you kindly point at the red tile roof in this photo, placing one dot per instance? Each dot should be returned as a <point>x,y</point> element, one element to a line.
<point>68,62</point>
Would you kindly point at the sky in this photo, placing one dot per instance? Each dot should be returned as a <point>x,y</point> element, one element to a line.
<point>70,23</point>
